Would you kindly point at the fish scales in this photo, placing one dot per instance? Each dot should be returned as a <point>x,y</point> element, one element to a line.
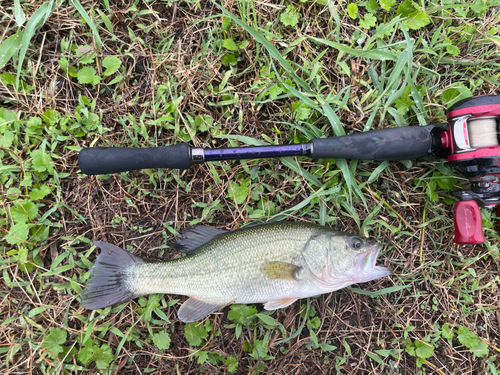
<point>230,263</point>
<point>274,263</point>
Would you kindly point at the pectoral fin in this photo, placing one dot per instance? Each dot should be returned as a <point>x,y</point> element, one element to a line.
<point>279,303</point>
<point>281,270</point>
<point>194,309</point>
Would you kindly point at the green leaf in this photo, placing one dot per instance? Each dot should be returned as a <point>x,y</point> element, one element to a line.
<point>274,91</point>
<point>42,162</point>
<point>106,21</point>
<point>85,356</point>
<point>455,93</point>
<point>38,310</point>
<point>405,9</point>
<point>371,6</point>
<point>149,304</point>
<point>195,333</point>
<point>387,4</point>
<point>266,319</point>
<point>202,356</point>
<point>112,64</point>
<point>232,364</point>
<point>37,19</point>
<point>19,14</point>
<point>424,349</point>
<point>9,47</point>
<point>88,20</point>
<point>416,20</point>
<point>103,356</point>
<point>467,338</point>
<point>65,45</point>
<point>352,10</point>
<point>404,103</point>
<point>479,6</point>
<point>85,54</point>
<point>481,349</point>
<point>7,78</point>
<point>375,357</point>
<point>50,116</point>
<point>368,21</point>
<point>39,193</point>
<point>240,313</point>
<point>410,347</point>
<point>54,340</point>
<point>35,125</point>
<point>63,64</point>
<point>450,48</point>
<point>301,110</point>
<point>383,352</point>
<point>226,23</point>
<point>162,340</point>
<point>229,59</point>
<point>18,233</point>
<point>229,44</point>
<point>453,50</point>
<point>447,331</point>
<point>445,183</point>
<point>87,74</point>
<point>24,212</point>
<point>290,17</point>
<point>22,257</point>
<point>6,139</point>
<point>260,349</point>
<point>238,192</point>
<point>376,54</point>
<point>315,322</point>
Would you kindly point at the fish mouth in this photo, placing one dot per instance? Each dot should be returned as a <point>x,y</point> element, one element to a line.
<point>366,263</point>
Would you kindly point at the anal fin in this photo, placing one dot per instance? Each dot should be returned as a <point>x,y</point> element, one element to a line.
<point>279,303</point>
<point>194,309</point>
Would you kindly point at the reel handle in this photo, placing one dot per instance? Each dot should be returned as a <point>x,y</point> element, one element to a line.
<point>468,223</point>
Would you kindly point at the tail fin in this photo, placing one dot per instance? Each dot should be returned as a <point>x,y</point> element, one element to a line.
<point>108,282</point>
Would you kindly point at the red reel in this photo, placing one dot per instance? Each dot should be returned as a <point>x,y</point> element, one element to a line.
<point>472,137</point>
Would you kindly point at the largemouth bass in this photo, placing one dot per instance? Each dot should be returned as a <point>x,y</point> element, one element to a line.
<point>274,264</point>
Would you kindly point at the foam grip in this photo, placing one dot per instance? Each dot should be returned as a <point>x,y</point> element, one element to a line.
<point>104,160</point>
<point>468,223</point>
<point>402,143</point>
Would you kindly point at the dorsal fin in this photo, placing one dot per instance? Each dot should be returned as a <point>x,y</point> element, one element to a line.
<point>193,238</point>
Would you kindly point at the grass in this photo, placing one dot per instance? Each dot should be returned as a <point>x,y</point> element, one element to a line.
<point>150,73</point>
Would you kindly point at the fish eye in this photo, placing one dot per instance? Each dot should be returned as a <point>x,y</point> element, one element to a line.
<point>355,243</point>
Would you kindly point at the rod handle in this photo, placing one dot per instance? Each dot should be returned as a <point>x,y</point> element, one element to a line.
<point>104,160</point>
<point>402,143</point>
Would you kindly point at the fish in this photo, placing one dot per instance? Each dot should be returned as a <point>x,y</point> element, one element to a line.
<point>271,263</point>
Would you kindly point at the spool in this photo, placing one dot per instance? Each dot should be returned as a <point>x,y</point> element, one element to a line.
<point>483,132</point>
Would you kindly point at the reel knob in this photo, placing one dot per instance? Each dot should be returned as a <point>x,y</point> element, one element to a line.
<point>468,223</point>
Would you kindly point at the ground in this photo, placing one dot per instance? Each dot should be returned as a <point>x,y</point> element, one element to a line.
<point>154,73</point>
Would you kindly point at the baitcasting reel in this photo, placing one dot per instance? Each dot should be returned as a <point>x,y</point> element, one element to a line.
<point>473,141</point>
